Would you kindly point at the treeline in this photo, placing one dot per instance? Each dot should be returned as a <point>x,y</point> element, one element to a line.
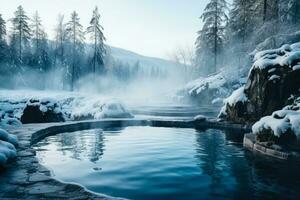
<point>27,48</point>
<point>230,33</point>
<point>28,56</point>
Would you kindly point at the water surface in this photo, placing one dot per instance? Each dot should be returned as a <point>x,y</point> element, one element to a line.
<point>167,163</point>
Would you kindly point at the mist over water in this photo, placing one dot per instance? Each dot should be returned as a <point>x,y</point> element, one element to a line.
<point>140,90</point>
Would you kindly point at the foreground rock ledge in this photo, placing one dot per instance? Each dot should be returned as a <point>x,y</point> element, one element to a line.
<point>268,150</point>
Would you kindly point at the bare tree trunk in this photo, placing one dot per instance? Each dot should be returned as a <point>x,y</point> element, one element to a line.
<point>20,46</point>
<point>95,54</point>
<point>73,59</point>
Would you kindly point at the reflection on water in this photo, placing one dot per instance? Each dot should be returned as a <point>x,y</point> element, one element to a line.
<point>167,163</point>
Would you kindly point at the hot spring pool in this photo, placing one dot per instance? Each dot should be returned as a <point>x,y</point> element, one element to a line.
<point>166,163</point>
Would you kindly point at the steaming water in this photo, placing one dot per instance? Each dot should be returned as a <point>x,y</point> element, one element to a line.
<point>166,163</point>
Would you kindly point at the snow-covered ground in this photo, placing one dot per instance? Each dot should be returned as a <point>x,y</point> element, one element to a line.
<point>71,105</point>
<point>8,144</point>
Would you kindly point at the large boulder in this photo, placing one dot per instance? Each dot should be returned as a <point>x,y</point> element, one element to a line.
<point>273,79</point>
<point>39,111</point>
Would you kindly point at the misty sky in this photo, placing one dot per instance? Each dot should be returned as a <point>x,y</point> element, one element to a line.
<point>149,27</point>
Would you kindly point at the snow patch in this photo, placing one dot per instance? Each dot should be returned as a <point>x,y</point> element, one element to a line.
<point>274,78</point>
<point>237,96</point>
<point>280,122</point>
<point>284,56</point>
<point>8,144</point>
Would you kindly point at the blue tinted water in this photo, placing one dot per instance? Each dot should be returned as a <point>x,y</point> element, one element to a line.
<point>166,163</point>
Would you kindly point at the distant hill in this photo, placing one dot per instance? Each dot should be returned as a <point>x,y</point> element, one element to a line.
<point>145,61</point>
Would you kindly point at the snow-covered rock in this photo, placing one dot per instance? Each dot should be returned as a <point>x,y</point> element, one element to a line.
<point>273,78</point>
<point>56,106</point>
<point>42,111</point>
<point>200,118</point>
<point>236,107</point>
<point>8,144</point>
<point>283,124</point>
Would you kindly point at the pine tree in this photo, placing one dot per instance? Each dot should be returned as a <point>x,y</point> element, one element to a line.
<point>60,49</point>
<point>60,39</point>
<point>3,44</point>
<point>267,10</point>
<point>95,30</point>
<point>40,56</point>
<point>212,35</point>
<point>76,36</point>
<point>241,19</point>
<point>20,32</point>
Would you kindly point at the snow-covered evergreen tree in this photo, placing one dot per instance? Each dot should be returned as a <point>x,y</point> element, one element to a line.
<point>212,34</point>
<point>40,57</point>
<point>75,35</point>
<point>60,61</point>
<point>3,44</point>
<point>95,30</point>
<point>60,40</point>
<point>241,21</point>
<point>20,34</point>
<point>267,10</point>
<point>293,11</point>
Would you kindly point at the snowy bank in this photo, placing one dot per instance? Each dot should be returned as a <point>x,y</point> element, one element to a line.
<point>8,144</point>
<point>208,90</point>
<point>42,106</point>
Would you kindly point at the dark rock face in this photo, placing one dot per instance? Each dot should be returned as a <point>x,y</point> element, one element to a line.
<point>33,114</point>
<point>267,96</point>
<point>240,112</point>
<point>273,79</point>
